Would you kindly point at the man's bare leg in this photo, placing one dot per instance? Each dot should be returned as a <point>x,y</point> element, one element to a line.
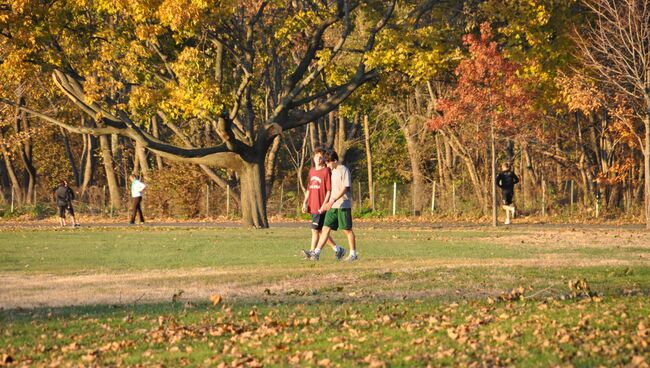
<point>352,242</point>
<point>324,235</point>
<point>315,236</point>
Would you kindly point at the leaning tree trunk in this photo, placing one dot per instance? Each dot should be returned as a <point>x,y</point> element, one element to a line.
<point>111,180</point>
<point>22,124</point>
<point>141,159</point>
<point>70,156</point>
<point>419,197</point>
<point>371,189</point>
<point>88,162</point>
<point>271,163</point>
<point>155,131</point>
<point>15,183</point>
<point>466,157</point>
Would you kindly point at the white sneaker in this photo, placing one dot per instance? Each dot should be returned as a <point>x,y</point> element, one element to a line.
<point>352,258</point>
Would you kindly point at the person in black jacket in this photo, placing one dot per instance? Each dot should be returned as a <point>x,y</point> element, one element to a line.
<point>506,180</point>
<point>63,195</point>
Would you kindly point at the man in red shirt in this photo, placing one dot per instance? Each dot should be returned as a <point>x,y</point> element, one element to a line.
<point>319,187</point>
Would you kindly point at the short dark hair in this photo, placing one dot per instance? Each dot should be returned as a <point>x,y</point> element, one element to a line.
<point>331,156</point>
<point>318,150</point>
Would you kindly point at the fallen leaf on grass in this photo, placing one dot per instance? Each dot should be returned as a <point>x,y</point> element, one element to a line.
<point>177,296</point>
<point>638,361</point>
<point>254,317</point>
<point>215,299</point>
<point>564,339</point>
<point>6,359</point>
<point>71,347</point>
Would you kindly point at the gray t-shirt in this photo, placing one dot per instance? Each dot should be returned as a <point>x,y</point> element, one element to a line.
<point>341,178</point>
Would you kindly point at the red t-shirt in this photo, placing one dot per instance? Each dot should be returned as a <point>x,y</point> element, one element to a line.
<point>319,184</point>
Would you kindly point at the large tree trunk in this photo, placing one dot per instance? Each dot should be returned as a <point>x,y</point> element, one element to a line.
<point>111,180</point>
<point>253,194</point>
<point>418,187</point>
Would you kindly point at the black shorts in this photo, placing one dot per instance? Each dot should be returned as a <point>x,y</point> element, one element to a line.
<point>62,210</point>
<point>507,196</point>
<point>317,221</point>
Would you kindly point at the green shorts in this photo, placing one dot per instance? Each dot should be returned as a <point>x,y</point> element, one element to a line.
<point>337,218</point>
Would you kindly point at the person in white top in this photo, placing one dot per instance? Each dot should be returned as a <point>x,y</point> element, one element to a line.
<point>136,195</point>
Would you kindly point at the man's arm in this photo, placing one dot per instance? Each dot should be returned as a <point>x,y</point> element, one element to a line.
<point>327,198</point>
<point>330,203</point>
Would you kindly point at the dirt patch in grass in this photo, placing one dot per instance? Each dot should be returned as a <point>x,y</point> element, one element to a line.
<point>332,280</point>
<point>575,238</point>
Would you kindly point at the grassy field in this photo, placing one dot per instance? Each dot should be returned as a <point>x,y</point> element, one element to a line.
<point>525,296</point>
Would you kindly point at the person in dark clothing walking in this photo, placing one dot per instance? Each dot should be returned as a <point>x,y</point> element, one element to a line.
<point>506,180</point>
<point>63,195</point>
<point>136,194</point>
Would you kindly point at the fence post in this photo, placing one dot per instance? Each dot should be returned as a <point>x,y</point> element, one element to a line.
<point>433,197</point>
<point>597,204</point>
<point>394,197</point>
<point>228,200</point>
<point>12,199</point>
<point>207,200</point>
<point>281,195</point>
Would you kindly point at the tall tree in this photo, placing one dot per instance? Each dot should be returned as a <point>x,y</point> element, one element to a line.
<point>147,57</point>
<point>489,99</point>
<point>616,44</point>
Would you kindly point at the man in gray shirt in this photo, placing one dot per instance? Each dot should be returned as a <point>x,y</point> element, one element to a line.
<point>339,207</point>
